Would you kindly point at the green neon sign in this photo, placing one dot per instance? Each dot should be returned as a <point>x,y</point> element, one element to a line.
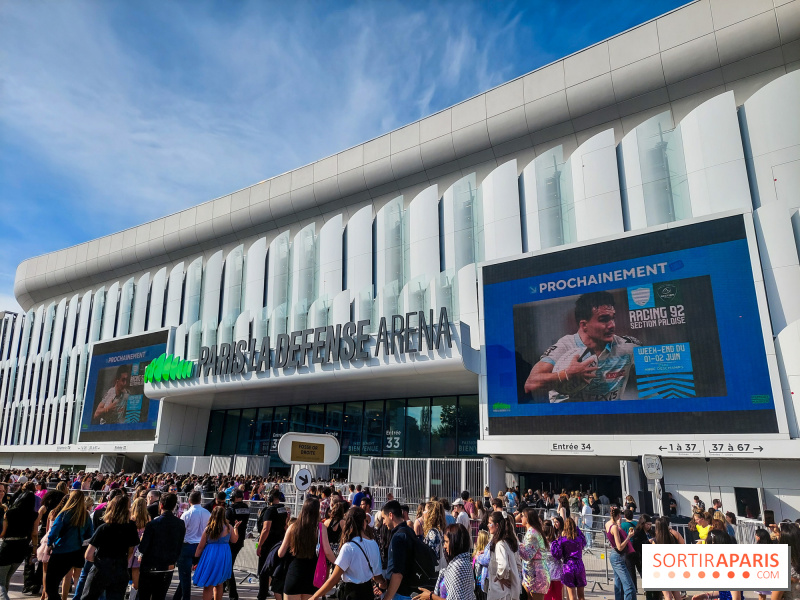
<point>168,368</point>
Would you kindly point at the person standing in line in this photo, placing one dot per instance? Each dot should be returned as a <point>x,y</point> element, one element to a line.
<point>535,577</point>
<point>195,519</point>
<point>504,561</point>
<point>140,518</point>
<point>161,545</point>
<point>568,548</point>
<point>271,525</point>
<point>301,541</point>
<point>153,503</point>
<point>433,530</point>
<point>462,517</point>
<point>238,512</point>
<point>69,530</point>
<point>335,524</point>
<point>20,530</point>
<point>214,551</point>
<point>456,581</point>
<point>624,586</point>
<point>110,549</point>
<point>555,567</point>
<point>358,561</point>
<point>664,534</point>
<point>400,562</point>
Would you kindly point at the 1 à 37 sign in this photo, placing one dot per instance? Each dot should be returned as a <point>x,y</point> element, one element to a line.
<point>308,449</point>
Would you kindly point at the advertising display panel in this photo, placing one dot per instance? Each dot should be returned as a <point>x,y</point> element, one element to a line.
<point>654,333</point>
<point>115,407</point>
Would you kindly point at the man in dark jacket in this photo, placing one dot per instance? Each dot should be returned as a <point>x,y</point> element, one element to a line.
<point>161,545</point>
<point>238,512</point>
<point>219,500</point>
<point>153,498</point>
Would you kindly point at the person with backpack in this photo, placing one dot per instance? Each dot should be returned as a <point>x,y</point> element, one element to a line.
<point>271,525</point>
<point>411,563</point>
<point>358,562</point>
<point>433,530</point>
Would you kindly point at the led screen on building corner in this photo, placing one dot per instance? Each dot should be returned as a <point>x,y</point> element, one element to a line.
<point>115,407</point>
<point>655,333</point>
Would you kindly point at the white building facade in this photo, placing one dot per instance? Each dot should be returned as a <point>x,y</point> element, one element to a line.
<point>690,117</point>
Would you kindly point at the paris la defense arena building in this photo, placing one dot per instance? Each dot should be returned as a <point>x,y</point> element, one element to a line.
<point>592,262</point>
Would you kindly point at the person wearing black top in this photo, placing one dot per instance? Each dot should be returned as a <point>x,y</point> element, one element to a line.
<point>153,497</point>
<point>219,500</point>
<point>110,549</point>
<point>238,512</point>
<point>161,545</point>
<point>271,525</point>
<point>400,566</point>
<point>20,529</point>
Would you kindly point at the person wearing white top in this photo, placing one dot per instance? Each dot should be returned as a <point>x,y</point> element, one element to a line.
<point>195,519</point>
<point>504,562</point>
<point>462,517</point>
<point>358,563</point>
<point>588,521</point>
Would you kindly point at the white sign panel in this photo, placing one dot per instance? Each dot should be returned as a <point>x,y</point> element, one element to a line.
<point>308,449</point>
<point>651,465</point>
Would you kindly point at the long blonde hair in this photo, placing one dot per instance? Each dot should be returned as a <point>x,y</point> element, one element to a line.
<point>76,505</point>
<point>481,543</point>
<point>139,514</point>
<point>434,518</point>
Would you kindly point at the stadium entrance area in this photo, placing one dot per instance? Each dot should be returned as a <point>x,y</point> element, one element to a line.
<point>609,485</point>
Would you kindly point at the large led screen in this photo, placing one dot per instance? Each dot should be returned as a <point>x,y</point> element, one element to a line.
<point>115,407</point>
<point>652,334</point>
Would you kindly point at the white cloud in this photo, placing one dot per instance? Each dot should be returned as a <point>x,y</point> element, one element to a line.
<point>153,108</point>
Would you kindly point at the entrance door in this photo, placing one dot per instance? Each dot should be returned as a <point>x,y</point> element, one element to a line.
<point>553,482</point>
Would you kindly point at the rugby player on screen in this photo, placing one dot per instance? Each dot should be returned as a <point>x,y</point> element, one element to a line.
<point>590,365</point>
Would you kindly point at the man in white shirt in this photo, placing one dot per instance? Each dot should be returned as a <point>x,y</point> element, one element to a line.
<point>195,519</point>
<point>462,518</point>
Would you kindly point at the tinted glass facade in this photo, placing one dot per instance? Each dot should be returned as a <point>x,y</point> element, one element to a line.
<point>445,426</point>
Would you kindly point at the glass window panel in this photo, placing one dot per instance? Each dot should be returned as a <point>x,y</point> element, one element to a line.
<point>216,422</point>
<point>280,425</point>
<point>444,426</point>
<point>263,431</point>
<point>351,428</point>
<point>468,425</point>
<point>333,419</point>
<point>315,419</point>
<point>418,428</point>
<point>394,428</point>
<point>247,431</point>
<point>298,420</point>
<point>373,428</point>
<point>231,431</point>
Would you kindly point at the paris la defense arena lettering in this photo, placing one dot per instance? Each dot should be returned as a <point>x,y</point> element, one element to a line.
<point>402,334</point>
<point>649,334</point>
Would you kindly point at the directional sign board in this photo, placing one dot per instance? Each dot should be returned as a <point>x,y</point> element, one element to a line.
<point>308,449</point>
<point>651,465</point>
<point>302,480</point>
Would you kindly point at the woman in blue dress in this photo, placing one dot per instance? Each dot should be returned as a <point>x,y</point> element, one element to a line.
<point>215,566</point>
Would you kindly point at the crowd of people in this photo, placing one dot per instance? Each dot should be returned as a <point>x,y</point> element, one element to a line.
<point>139,535</point>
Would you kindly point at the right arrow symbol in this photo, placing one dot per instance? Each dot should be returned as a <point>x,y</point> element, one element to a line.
<point>303,479</point>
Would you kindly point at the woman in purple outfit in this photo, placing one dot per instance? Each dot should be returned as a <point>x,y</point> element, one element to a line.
<point>569,549</point>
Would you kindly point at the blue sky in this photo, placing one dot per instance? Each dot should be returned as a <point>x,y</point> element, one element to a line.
<point>114,113</point>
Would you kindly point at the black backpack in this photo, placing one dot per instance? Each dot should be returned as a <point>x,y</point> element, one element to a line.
<point>425,563</point>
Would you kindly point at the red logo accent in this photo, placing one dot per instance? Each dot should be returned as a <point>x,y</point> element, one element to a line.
<point>615,374</point>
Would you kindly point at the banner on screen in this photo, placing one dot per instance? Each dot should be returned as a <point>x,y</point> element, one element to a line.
<point>115,407</point>
<point>650,334</point>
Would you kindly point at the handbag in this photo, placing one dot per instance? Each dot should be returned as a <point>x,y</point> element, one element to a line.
<point>321,572</point>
